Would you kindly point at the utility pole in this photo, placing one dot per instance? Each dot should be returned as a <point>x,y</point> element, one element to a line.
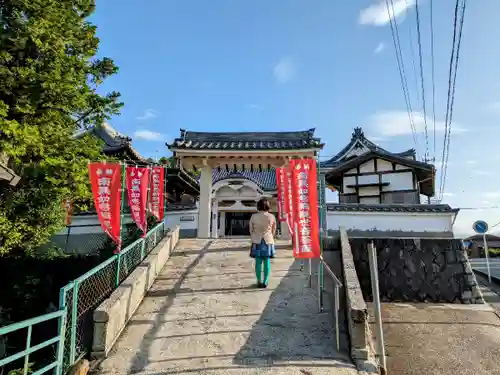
<point>427,160</point>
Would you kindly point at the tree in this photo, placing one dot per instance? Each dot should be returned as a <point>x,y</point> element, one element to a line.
<point>49,75</point>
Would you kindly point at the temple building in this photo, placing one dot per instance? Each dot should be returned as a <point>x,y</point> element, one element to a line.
<point>380,193</point>
<point>236,170</point>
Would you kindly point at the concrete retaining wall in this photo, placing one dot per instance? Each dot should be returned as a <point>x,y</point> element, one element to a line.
<point>356,309</point>
<point>111,317</point>
<point>418,270</point>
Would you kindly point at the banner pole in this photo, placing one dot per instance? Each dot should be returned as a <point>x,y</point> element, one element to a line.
<point>321,234</point>
<point>121,225</point>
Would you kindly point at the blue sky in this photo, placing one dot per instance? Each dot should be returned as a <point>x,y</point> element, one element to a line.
<point>226,65</point>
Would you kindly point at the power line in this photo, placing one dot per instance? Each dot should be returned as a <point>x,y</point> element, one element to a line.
<point>402,75</point>
<point>451,91</point>
<point>432,77</point>
<point>426,155</point>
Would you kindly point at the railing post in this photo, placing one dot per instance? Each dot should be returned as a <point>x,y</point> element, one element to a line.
<point>28,344</point>
<point>118,266</point>
<point>62,306</point>
<point>336,312</point>
<point>60,345</point>
<point>143,245</point>
<point>74,318</point>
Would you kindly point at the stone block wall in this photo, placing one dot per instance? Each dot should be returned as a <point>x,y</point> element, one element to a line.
<point>418,270</point>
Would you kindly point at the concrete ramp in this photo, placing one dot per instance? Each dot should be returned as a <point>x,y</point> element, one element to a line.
<point>204,315</point>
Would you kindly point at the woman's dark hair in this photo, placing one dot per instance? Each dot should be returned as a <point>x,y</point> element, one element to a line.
<point>263,205</point>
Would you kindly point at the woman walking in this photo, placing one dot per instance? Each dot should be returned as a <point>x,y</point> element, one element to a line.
<point>262,231</point>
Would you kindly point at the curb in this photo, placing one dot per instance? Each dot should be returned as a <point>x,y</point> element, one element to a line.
<point>494,279</point>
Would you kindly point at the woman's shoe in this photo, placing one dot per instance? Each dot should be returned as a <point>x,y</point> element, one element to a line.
<point>262,285</point>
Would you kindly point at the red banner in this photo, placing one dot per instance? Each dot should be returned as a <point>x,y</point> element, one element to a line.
<point>289,202</point>
<point>137,189</point>
<point>281,187</point>
<point>105,179</point>
<point>305,195</point>
<point>156,197</point>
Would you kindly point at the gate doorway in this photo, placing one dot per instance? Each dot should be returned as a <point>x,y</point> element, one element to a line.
<point>238,223</point>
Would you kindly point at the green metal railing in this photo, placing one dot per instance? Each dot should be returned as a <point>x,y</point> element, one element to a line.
<point>57,364</point>
<point>82,296</point>
<point>77,302</point>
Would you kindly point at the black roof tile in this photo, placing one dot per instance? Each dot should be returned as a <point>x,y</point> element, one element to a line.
<point>359,207</point>
<point>358,136</point>
<point>266,180</point>
<point>246,140</point>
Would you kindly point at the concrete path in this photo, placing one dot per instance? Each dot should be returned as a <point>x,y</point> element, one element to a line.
<point>204,315</point>
<point>441,339</point>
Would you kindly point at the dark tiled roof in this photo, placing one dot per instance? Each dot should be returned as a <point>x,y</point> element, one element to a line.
<point>246,141</point>
<point>266,180</point>
<point>479,237</point>
<point>358,137</point>
<point>359,207</point>
<point>114,142</point>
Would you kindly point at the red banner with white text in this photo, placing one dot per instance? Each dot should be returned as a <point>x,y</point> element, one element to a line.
<point>305,195</point>
<point>137,182</point>
<point>281,188</point>
<point>289,202</point>
<point>106,180</point>
<point>157,195</point>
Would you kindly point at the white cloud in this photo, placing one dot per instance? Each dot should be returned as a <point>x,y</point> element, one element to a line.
<point>482,173</point>
<point>448,195</point>
<point>379,48</point>
<point>148,115</point>
<point>285,70</point>
<point>148,135</point>
<point>377,14</point>
<point>471,162</point>
<point>492,194</point>
<point>255,107</point>
<point>397,123</point>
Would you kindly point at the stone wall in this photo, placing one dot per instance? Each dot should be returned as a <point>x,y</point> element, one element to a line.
<point>418,270</point>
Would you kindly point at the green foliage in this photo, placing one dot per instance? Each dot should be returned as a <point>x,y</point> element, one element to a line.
<point>49,77</point>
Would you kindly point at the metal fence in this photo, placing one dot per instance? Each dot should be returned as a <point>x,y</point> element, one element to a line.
<point>83,295</point>
<point>77,302</point>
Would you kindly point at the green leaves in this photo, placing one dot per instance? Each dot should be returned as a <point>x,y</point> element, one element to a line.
<point>49,77</point>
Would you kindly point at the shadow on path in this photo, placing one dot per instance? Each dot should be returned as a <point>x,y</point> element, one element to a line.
<point>141,358</point>
<point>291,330</point>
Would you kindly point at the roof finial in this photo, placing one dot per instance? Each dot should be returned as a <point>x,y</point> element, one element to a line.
<point>358,133</point>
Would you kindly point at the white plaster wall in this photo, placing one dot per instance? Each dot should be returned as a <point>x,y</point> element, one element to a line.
<point>368,179</point>
<point>349,180</point>
<point>383,165</point>
<point>400,167</point>
<point>173,218</point>
<point>368,166</point>
<point>407,222</point>
<point>398,181</point>
<point>369,190</point>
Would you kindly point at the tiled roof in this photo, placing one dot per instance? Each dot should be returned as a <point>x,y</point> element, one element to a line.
<point>246,141</point>
<point>114,142</point>
<point>358,136</point>
<point>359,207</point>
<point>266,180</point>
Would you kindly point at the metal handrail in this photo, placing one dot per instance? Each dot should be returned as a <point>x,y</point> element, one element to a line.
<point>336,298</point>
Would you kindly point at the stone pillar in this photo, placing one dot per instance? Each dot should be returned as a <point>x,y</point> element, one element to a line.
<point>285,232</point>
<point>205,202</point>
<point>222,228</point>
<point>215,217</point>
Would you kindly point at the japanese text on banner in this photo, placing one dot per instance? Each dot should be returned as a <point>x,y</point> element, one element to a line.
<point>156,199</point>
<point>289,202</point>
<point>281,187</point>
<point>105,179</point>
<point>306,209</point>
<point>137,190</point>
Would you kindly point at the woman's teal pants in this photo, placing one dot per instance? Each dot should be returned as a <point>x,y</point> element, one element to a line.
<point>258,269</point>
